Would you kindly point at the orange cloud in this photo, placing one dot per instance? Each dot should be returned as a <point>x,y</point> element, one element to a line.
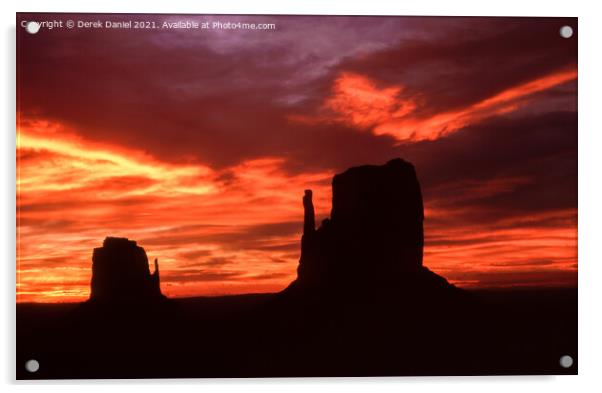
<point>444,123</point>
<point>235,230</point>
<point>361,103</point>
<point>530,250</point>
<point>357,101</point>
<point>485,257</point>
<point>72,193</point>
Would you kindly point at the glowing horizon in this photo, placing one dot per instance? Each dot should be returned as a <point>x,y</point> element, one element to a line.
<point>201,145</point>
<point>138,177</point>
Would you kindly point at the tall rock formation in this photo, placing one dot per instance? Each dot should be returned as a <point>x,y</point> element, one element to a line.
<point>374,237</point>
<point>120,273</point>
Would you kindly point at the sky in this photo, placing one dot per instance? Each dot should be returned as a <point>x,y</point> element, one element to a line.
<point>199,143</point>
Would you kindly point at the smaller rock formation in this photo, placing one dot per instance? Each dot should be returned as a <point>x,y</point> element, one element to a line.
<point>120,273</point>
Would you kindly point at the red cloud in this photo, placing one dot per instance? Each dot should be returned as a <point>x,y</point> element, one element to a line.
<point>357,101</point>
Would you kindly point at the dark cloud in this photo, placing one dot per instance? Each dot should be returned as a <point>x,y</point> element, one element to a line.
<point>540,151</point>
<point>223,98</point>
<point>199,253</point>
<point>200,276</point>
<point>477,59</point>
<point>220,98</point>
<point>534,262</point>
<point>247,237</point>
<point>552,277</point>
<point>270,276</point>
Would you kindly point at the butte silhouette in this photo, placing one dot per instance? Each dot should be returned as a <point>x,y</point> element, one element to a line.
<point>372,243</point>
<point>363,304</point>
<point>120,273</point>
<point>122,288</point>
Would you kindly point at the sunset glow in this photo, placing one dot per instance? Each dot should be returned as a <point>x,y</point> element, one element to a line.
<point>205,237</point>
<point>124,193</point>
<point>204,163</point>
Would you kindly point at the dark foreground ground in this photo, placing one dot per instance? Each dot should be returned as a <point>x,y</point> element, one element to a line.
<point>495,332</point>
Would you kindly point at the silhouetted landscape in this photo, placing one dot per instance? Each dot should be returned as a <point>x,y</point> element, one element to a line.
<point>363,304</point>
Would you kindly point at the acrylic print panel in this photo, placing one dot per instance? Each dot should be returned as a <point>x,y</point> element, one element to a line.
<point>263,196</point>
